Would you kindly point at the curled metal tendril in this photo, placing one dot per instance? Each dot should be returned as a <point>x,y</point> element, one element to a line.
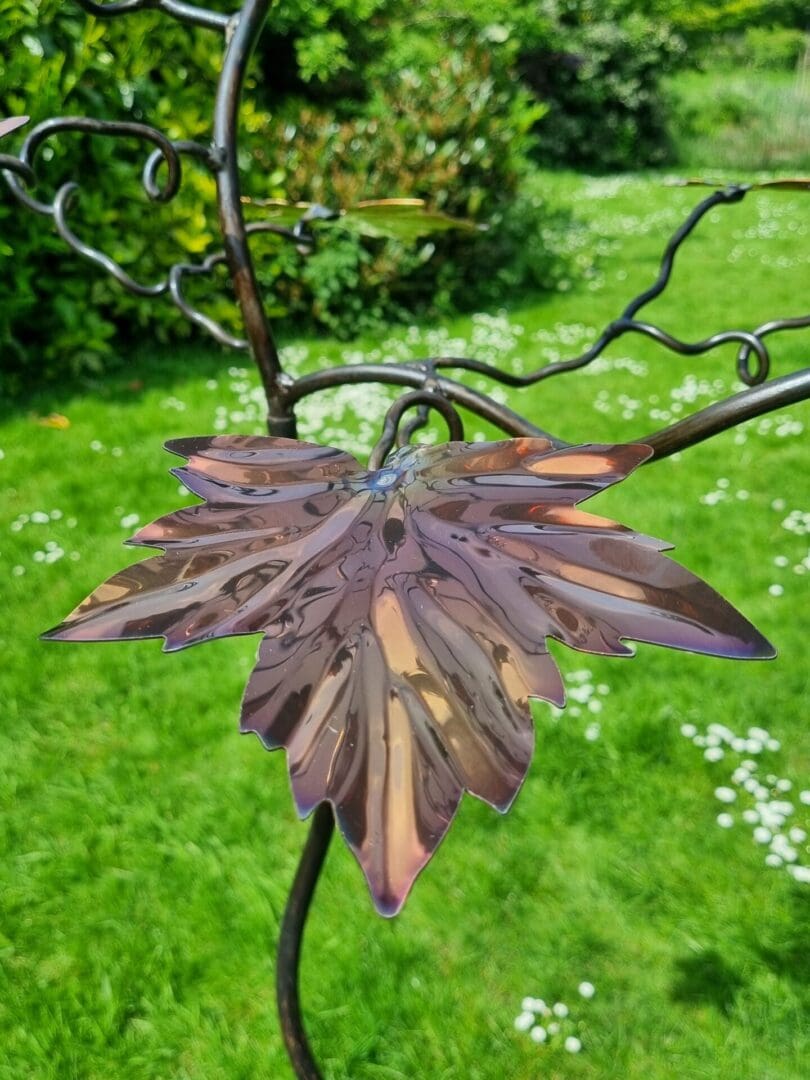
<point>427,399</point>
<point>751,342</point>
<point>20,173</point>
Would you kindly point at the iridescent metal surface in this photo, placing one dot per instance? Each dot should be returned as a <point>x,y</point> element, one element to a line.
<point>405,613</point>
<point>11,124</point>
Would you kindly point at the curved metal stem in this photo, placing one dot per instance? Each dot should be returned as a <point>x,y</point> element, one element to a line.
<point>289,945</point>
<point>403,375</point>
<point>240,262</point>
<point>426,399</point>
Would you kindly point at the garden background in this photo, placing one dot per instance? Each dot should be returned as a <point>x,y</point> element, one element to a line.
<point>146,849</point>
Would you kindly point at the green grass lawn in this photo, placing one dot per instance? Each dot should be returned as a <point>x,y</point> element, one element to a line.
<point>147,849</point>
<point>756,119</point>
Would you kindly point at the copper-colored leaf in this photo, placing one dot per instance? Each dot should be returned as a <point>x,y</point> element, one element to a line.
<point>791,183</point>
<point>405,613</point>
<point>394,219</point>
<point>11,124</point>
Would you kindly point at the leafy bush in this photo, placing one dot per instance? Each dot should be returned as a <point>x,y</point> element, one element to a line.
<point>454,128</point>
<point>456,134</point>
<point>57,315</point>
<point>600,72</point>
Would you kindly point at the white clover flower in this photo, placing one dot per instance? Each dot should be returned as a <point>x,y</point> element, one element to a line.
<point>538,1034</point>
<point>783,785</point>
<point>750,817</point>
<point>797,835</point>
<point>527,1004</point>
<point>725,794</point>
<point>688,730</point>
<point>800,873</point>
<point>524,1021</point>
<point>804,797</point>
<point>586,990</point>
<point>762,835</point>
<point>773,744</point>
<point>573,1045</point>
<point>553,1028</point>
<point>772,859</point>
<point>719,729</point>
<point>725,821</point>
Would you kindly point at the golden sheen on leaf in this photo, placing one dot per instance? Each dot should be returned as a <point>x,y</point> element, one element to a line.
<point>404,614</point>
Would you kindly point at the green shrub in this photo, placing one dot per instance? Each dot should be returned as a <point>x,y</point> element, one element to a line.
<point>58,315</point>
<point>453,128</point>
<point>600,72</point>
<point>457,134</point>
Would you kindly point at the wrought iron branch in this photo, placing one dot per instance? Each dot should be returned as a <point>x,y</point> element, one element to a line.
<point>751,342</point>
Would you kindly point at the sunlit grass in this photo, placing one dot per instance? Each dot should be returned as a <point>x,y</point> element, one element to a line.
<point>147,850</point>
<point>741,119</point>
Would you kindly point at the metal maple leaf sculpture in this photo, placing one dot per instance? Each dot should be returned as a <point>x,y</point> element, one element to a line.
<point>405,612</point>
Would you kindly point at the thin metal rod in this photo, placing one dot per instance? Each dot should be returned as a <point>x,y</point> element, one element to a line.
<point>290,940</point>
<point>187,13</point>
<point>229,197</point>
<point>776,394</point>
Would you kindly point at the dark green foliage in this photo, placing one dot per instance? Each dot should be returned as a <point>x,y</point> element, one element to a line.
<point>59,315</point>
<point>599,69</point>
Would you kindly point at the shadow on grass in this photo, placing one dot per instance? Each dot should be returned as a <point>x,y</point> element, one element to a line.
<point>787,957</point>
<point>706,979</point>
<point>144,368</point>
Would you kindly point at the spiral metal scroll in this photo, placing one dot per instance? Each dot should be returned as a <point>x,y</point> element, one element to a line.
<point>426,387</point>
